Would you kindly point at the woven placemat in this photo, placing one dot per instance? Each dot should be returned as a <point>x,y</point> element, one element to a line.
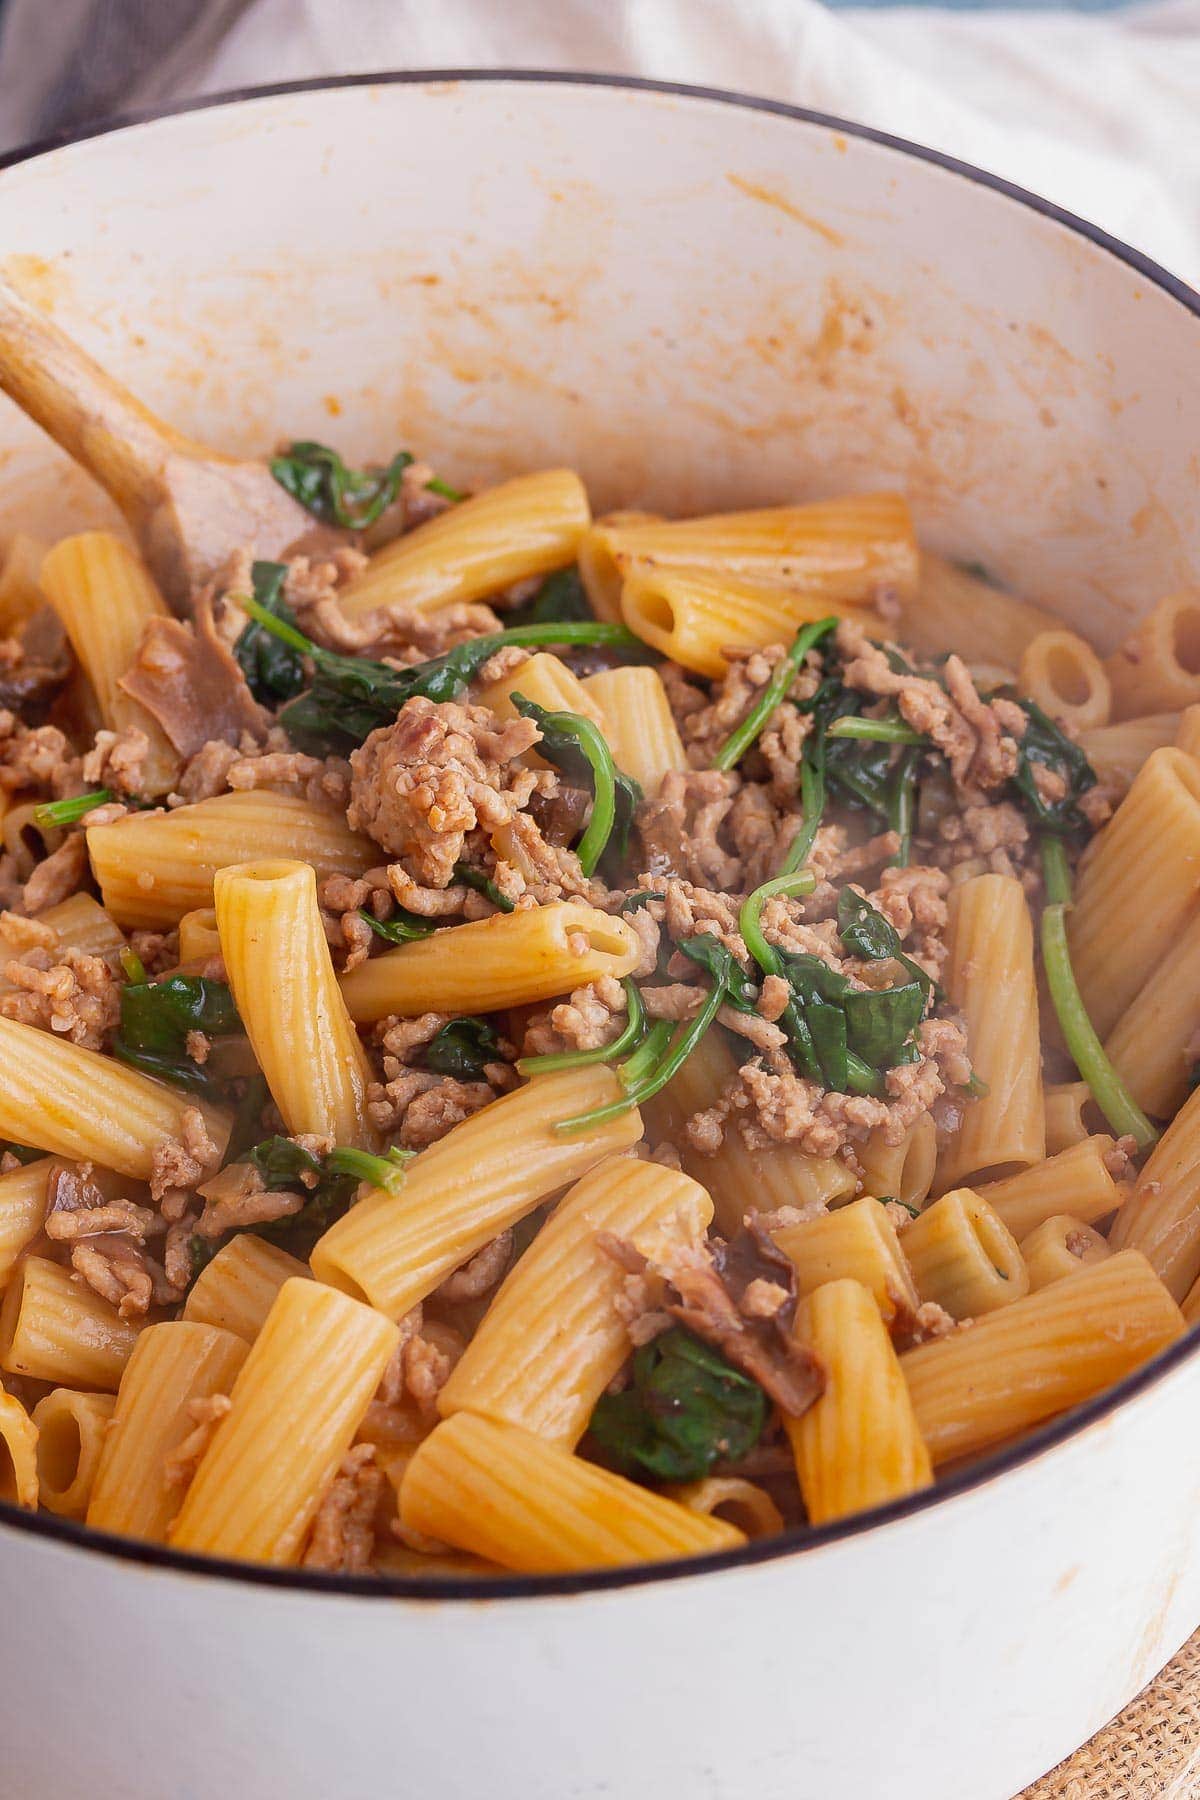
<point>1151,1751</point>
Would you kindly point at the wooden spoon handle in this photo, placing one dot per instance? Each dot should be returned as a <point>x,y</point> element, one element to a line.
<point>95,420</point>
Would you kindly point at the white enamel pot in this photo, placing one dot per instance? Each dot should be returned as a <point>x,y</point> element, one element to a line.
<point>699,300</point>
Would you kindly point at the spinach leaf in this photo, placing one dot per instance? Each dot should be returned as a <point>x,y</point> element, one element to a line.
<point>317,477</point>
<point>719,961</point>
<point>1046,746</point>
<point>483,884</point>
<point>686,1410</point>
<point>643,897</point>
<point>402,927</point>
<point>351,696</point>
<point>880,1023</point>
<point>156,1017</point>
<point>577,747</point>
<point>274,671</point>
<point>866,933</point>
<point>283,1164</point>
<point>561,596</point>
<point>462,1048</point>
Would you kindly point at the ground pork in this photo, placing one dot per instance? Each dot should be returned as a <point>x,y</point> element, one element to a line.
<point>592,1017</point>
<point>117,760</point>
<point>529,871</point>
<point>343,1532</point>
<point>420,785</point>
<point>478,1276</point>
<point>121,1272</point>
<point>57,877</point>
<point>238,1197</point>
<point>67,992</point>
<point>684,1283</point>
<point>679,828</point>
<point>978,738</point>
<point>184,1161</point>
<point>180,1464</point>
<point>39,757</point>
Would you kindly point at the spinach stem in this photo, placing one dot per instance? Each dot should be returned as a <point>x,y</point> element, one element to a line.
<point>786,670</point>
<point>1108,1090</point>
<point>381,1171</point>
<point>812,799</point>
<point>680,1048</point>
<point>581,1059</point>
<point>876,731</point>
<point>53,813</point>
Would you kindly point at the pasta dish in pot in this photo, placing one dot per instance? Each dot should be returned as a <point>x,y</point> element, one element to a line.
<point>538,1043</point>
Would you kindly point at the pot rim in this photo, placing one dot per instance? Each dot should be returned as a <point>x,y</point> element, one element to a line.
<point>791,1544</point>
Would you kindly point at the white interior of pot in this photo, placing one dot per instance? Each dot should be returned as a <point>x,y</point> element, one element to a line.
<point>697,303</point>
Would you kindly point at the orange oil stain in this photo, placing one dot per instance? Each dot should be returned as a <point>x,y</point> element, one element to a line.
<point>756,191</point>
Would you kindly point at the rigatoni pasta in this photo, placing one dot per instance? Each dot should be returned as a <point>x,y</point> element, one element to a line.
<point>610,1153</point>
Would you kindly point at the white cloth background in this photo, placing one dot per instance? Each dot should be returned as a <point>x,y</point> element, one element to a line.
<point>1100,113</point>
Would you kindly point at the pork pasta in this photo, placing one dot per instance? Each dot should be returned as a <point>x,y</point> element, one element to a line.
<point>538,1044</point>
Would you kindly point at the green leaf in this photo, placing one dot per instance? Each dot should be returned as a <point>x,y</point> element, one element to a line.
<point>866,933</point>
<point>635,902</point>
<point>462,1048</point>
<point>686,1410</point>
<point>561,596</point>
<point>577,748</point>
<point>482,884</point>
<point>719,961</point>
<point>352,696</point>
<point>274,671</point>
<point>317,477</point>
<point>1045,745</point>
<point>880,1023</point>
<point>402,927</point>
<point>156,1017</point>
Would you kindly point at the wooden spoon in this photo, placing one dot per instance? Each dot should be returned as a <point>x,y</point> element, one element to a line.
<point>188,506</point>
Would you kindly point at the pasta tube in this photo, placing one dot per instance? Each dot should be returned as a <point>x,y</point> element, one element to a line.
<point>743,1503</point>
<point>76,1103</point>
<point>859,1445</point>
<point>198,935</point>
<point>1162,1217</point>
<point>847,549</point>
<point>237,1289</point>
<point>282,978</point>
<point>105,597</point>
<point>22,1209</point>
<point>1187,735</point>
<point>598,570</point>
<point>552,1339</point>
<point>530,1505</point>
<point>523,527</point>
<point>1068,1104</point>
<point>1191,1307</point>
<point>695,615</point>
<point>964,1257</point>
<point>393,1249</point>
<point>856,1243</point>
<point>1023,1364</point>
<point>1151,845</point>
<point>1158,665</point>
<point>173,1364</point>
<point>18,1454</point>
<point>903,1171</point>
<point>1077,1180</point>
<point>511,959</point>
<point>955,610</point>
<point>297,1403</point>
<point>738,1178</point>
<point>549,683</point>
<point>1060,1247</point>
<point>1149,1046</point>
<point>990,977</point>
<point>52,1329</point>
<point>1064,676</point>
<point>71,1428</point>
<point>639,723</point>
<point>155,867</point>
<point>1117,752</point>
<point>78,923</point>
